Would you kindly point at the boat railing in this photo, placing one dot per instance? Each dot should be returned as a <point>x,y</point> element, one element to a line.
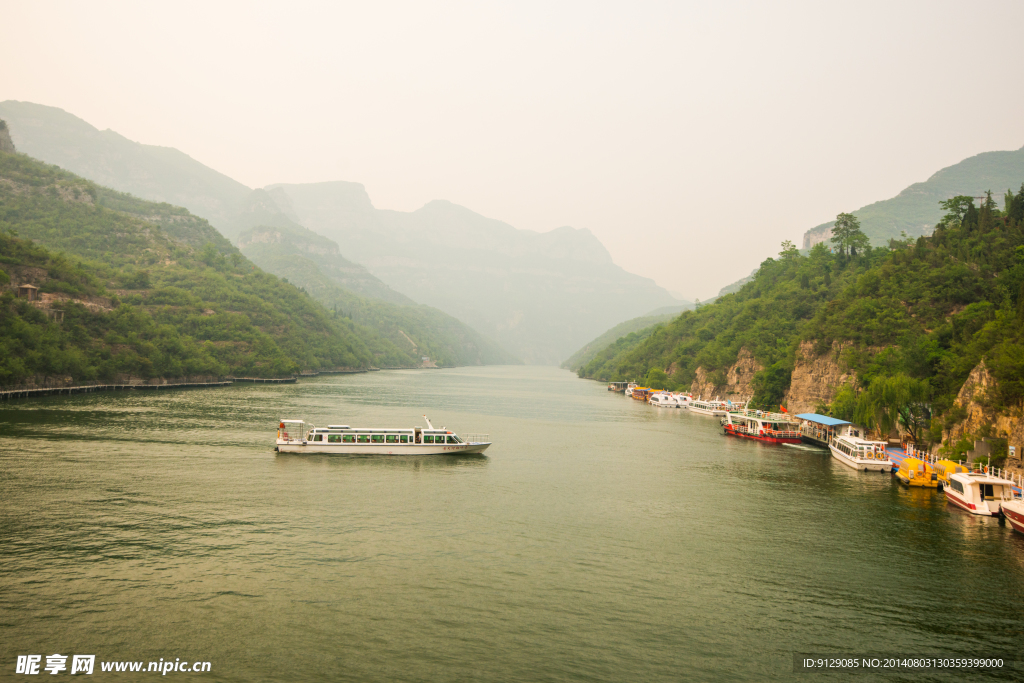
<point>783,433</point>
<point>476,437</point>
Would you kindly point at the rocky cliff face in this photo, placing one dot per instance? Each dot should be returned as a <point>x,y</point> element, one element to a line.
<point>973,398</point>
<point>816,377</point>
<point>738,379</point>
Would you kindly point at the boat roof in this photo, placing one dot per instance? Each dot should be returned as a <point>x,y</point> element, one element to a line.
<point>980,478</point>
<point>822,419</point>
<point>856,440</point>
<point>293,422</point>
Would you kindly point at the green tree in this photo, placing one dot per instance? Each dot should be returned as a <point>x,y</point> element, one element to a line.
<point>956,208</point>
<point>846,234</point>
<point>657,379</point>
<point>898,401</point>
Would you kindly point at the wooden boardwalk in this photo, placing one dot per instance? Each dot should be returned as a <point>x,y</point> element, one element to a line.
<point>264,380</point>
<point>90,388</point>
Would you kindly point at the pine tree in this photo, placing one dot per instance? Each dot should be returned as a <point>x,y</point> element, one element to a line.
<point>970,219</point>
<point>1016,213</point>
<point>986,216</point>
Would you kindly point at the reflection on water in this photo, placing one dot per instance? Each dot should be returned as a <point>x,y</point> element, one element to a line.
<point>597,539</point>
<point>395,461</point>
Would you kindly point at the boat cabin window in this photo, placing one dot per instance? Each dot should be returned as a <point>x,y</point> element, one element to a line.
<point>334,438</point>
<point>986,492</point>
<point>452,439</point>
<point>404,438</point>
<point>364,438</point>
<point>318,437</point>
<point>377,438</point>
<point>428,438</point>
<point>957,486</point>
<point>348,438</point>
<point>391,438</point>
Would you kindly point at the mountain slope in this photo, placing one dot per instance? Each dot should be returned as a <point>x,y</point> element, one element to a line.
<point>540,295</point>
<point>636,329</point>
<point>916,210</point>
<point>182,307</point>
<point>312,263</point>
<point>159,174</point>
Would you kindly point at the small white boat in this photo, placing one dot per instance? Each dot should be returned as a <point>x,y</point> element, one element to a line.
<point>684,400</point>
<point>979,492</point>
<point>663,399</point>
<point>860,454</point>
<point>298,436</point>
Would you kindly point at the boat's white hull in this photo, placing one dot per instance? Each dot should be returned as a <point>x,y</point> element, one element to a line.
<point>862,464</point>
<point>380,448</point>
<point>709,411</point>
<point>961,502</point>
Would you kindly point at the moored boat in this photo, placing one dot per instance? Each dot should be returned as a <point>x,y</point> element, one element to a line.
<point>762,426</point>
<point>979,492</point>
<point>705,407</point>
<point>663,399</point>
<point>298,436</point>
<point>640,393</point>
<point>1013,511</point>
<point>860,454</point>
<point>944,468</point>
<point>821,429</point>
<point>916,472</point>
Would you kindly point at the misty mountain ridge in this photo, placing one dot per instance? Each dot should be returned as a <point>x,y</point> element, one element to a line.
<point>916,209</point>
<point>159,174</point>
<point>541,295</point>
<point>266,225</point>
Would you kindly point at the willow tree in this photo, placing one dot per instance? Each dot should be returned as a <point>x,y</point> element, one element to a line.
<point>896,401</point>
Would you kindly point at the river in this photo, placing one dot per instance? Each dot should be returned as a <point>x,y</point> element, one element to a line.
<point>598,539</point>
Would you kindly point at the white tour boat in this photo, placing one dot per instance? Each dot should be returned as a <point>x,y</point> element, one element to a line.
<point>860,454</point>
<point>705,407</point>
<point>684,400</point>
<point>979,492</point>
<point>298,436</point>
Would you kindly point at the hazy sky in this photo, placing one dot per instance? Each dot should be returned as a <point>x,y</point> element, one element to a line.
<point>690,137</point>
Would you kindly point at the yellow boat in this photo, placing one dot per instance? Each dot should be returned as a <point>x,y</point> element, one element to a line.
<point>916,472</point>
<point>944,468</point>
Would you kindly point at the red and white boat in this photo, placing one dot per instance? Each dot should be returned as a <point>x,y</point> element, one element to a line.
<point>1013,511</point>
<point>979,492</point>
<point>762,426</point>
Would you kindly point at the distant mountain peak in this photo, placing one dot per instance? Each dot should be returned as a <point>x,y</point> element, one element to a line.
<point>915,210</point>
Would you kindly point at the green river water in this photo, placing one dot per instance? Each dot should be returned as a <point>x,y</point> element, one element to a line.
<point>598,539</point>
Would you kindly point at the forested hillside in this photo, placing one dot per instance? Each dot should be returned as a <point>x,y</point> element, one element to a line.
<point>148,290</point>
<point>907,322</point>
<point>630,332</point>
